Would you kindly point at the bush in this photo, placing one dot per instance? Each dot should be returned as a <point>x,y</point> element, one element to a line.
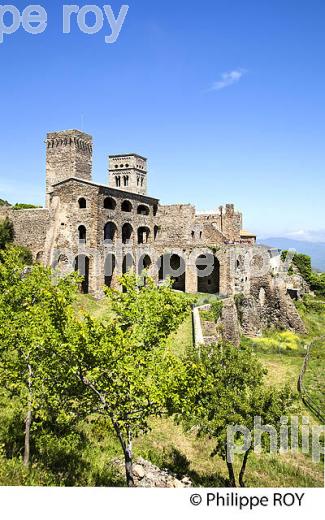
<point>303,265</point>
<point>285,341</point>
<point>7,233</point>
<point>216,309</point>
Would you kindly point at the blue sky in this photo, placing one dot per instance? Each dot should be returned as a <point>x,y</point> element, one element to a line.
<point>225,97</point>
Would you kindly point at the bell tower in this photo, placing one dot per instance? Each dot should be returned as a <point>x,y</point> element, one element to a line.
<point>128,173</point>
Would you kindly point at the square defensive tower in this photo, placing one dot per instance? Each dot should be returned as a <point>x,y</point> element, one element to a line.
<point>68,154</point>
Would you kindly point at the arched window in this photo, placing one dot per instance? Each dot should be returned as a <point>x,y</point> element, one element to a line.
<point>39,257</point>
<point>208,274</point>
<point>109,268</point>
<point>82,234</point>
<point>109,203</point>
<point>128,263</point>
<point>126,180</point>
<point>127,232</point>
<point>143,235</point>
<point>81,265</point>
<point>118,182</point>
<point>126,206</point>
<point>174,266</point>
<point>110,231</point>
<point>82,203</point>
<point>156,232</point>
<point>143,210</point>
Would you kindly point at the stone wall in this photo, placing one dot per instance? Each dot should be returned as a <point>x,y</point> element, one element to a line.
<point>68,154</point>
<point>269,305</point>
<point>30,226</point>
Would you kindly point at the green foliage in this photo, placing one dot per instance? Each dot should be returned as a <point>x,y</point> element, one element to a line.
<point>18,206</point>
<point>314,377</point>
<point>122,362</point>
<point>216,309</point>
<point>25,254</point>
<point>239,299</point>
<point>276,341</point>
<point>302,263</point>
<point>33,315</point>
<point>7,233</point>
<point>4,203</point>
<point>223,387</point>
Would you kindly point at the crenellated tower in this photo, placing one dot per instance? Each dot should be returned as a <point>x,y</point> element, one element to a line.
<point>68,154</point>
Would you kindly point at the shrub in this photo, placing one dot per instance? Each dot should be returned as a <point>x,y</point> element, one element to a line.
<point>216,309</point>
<point>7,233</point>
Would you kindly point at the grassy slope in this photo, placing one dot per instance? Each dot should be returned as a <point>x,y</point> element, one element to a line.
<point>167,445</point>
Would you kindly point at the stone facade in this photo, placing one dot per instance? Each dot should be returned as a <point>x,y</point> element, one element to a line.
<point>103,231</point>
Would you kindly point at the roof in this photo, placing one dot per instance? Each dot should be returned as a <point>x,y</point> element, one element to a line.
<point>127,155</point>
<point>96,185</point>
<point>246,234</point>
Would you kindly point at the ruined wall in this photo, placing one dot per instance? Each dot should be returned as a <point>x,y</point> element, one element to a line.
<point>31,226</point>
<point>269,305</point>
<point>175,223</point>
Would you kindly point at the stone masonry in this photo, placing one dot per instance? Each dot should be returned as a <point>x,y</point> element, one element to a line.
<point>105,230</point>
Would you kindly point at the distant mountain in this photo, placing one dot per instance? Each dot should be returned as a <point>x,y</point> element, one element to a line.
<point>316,250</point>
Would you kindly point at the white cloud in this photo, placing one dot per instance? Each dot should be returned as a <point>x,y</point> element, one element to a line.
<point>307,235</point>
<point>228,79</point>
<point>302,235</point>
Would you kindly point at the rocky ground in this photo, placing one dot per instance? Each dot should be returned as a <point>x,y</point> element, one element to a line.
<point>147,475</point>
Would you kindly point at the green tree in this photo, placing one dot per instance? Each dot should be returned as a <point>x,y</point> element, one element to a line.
<point>33,316</point>
<point>303,264</point>
<point>126,369</point>
<point>223,387</point>
<point>7,233</point>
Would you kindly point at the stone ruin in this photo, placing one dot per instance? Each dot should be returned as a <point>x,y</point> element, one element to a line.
<point>105,230</point>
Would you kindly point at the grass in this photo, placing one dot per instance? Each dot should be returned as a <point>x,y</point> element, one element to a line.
<point>314,383</point>
<point>86,304</point>
<point>168,446</point>
<point>182,339</point>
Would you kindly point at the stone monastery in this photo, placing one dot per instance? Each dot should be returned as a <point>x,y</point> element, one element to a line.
<point>109,229</point>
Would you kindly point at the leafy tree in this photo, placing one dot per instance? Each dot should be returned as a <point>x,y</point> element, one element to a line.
<point>25,254</point>
<point>33,316</point>
<point>303,265</point>
<point>4,202</point>
<point>7,233</point>
<point>224,387</point>
<point>123,364</point>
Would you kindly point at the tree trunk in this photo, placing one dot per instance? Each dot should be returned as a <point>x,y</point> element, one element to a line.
<point>129,465</point>
<point>127,450</point>
<point>243,469</point>
<point>231,473</point>
<point>28,420</point>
